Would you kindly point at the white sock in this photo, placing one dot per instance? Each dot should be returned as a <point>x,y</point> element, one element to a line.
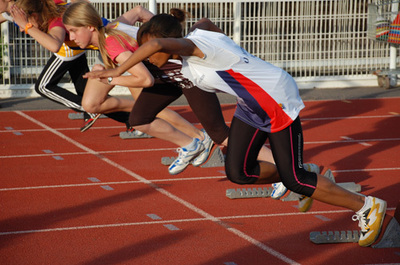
<point>192,145</point>
<point>365,206</point>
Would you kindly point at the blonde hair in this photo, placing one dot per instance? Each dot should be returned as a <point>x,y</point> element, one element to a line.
<point>84,14</point>
<point>46,9</point>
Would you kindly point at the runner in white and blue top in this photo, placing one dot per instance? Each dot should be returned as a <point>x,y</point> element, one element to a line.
<point>268,98</point>
<point>268,108</point>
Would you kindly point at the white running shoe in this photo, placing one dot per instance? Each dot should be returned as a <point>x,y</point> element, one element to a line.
<point>305,202</point>
<point>208,144</point>
<point>280,189</point>
<point>185,157</point>
<point>370,218</point>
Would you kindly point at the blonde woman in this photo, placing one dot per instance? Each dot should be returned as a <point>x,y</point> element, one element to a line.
<point>86,28</point>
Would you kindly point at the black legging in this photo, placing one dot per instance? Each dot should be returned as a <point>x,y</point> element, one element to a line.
<point>47,84</point>
<point>244,144</point>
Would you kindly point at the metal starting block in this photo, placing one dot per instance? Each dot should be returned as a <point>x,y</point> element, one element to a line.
<point>79,116</point>
<point>216,159</point>
<point>390,232</point>
<point>248,193</point>
<point>389,236</point>
<point>329,237</point>
<point>133,135</point>
<point>351,186</point>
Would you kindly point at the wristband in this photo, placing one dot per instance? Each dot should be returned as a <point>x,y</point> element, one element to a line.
<point>28,26</point>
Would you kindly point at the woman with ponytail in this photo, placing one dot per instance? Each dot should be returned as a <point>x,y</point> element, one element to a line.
<point>116,43</point>
<point>42,20</point>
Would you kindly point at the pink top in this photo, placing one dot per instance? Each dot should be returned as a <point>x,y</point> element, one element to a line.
<point>115,48</point>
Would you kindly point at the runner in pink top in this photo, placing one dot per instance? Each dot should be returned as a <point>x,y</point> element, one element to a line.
<point>85,26</point>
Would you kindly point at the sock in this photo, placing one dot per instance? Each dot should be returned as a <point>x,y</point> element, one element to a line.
<point>366,205</point>
<point>192,145</point>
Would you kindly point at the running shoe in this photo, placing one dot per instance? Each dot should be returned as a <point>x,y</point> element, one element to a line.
<point>208,144</point>
<point>279,190</point>
<point>185,157</point>
<point>89,122</point>
<point>370,218</point>
<point>305,202</point>
<point>132,133</point>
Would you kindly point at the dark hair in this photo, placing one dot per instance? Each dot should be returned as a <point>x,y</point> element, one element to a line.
<point>164,25</point>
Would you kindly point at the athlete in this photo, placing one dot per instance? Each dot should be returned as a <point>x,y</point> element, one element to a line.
<point>268,108</point>
<point>116,43</point>
<point>42,20</point>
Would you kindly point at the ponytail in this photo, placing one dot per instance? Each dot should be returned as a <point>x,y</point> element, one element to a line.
<point>164,25</point>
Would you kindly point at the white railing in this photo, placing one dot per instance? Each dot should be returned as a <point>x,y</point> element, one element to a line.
<point>322,43</point>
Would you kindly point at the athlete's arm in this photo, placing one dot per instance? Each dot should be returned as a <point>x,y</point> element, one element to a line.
<point>181,46</point>
<point>139,75</point>
<point>52,40</point>
<point>136,14</point>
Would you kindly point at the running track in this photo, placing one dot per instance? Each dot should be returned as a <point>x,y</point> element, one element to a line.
<point>68,197</point>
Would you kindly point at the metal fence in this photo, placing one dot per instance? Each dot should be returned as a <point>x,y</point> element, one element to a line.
<point>320,43</point>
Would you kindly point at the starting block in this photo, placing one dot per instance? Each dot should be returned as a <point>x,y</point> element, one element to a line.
<point>329,237</point>
<point>390,232</point>
<point>249,193</point>
<point>389,236</point>
<point>79,116</point>
<point>351,186</point>
<point>215,159</point>
<point>133,135</point>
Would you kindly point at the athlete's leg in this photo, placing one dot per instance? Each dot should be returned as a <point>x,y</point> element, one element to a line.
<point>207,109</point>
<point>150,116</point>
<point>47,84</point>
<point>287,147</point>
<point>241,163</point>
<point>97,100</point>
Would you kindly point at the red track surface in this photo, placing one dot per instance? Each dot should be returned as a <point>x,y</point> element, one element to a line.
<point>53,213</point>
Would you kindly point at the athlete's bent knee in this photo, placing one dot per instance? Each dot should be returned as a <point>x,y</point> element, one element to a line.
<point>238,176</point>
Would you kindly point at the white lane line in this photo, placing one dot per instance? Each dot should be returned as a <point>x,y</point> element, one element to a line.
<point>359,142</point>
<point>165,192</point>
<point>87,153</point>
<point>354,141</point>
<point>392,114</point>
<point>351,118</point>
<point>174,179</point>
<point>169,149</point>
<point>105,183</point>
<point>157,222</point>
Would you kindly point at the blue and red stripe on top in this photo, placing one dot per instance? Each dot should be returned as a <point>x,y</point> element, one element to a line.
<point>257,99</point>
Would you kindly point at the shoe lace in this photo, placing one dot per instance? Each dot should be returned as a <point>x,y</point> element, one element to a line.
<point>181,153</point>
<point>362,221</point>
